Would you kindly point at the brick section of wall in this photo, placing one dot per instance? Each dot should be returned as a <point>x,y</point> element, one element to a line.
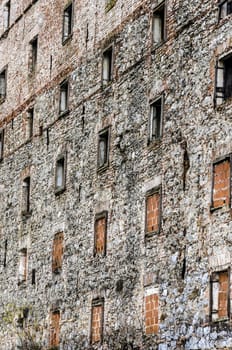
<point>221,181</point>
<point>96,324</point>
<point>151,314</point>
<point>57,253</point>
<point>55,328</point>
<point>100,235</point>
<point>153,212</point>
<point>223,294</point>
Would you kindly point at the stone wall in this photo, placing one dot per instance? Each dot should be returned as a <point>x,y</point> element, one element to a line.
<point>175,263</point>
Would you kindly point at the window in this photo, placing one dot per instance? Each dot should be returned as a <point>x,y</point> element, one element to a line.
<point>57,252</point>
<point>220,295</point>
<point>60,176</point>
<point>151,312</point>
<point>30,122</point>
<point>26,195</point>
<point>223,78</point>
<point>100,231</point>
<point>34,53</point>
<point>225,8</point>
<point>55,328</point>
<point>107,65</point>
<point>153,209</point>
<point>23,266</point>
<point>2,85</point>
<point>103,148</point>
<point>97,318</point>
<point>221,183</point>
<point>158,25</point>
<point>1,144</point>
<point>67,22</point>
<point>5,253</point>
<point>155,122</point>
<point>64,90</point>
<point>6,16</point>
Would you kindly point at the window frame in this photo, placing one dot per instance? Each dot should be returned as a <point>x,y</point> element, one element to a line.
<point>2,137</point>
<point>220,91</point>
<point>7,7</point>
<point>95,303</point>
<point>213,280</point>
<point>153,191</point>
<point>151,138</point>
<point>109,48</point>
<point>65,39</point>
<point>51,343</point>
<point>65,83</point>
<point>34,44</point>
<point>99,216</point>
<point>26,201</point>
<point>164,29</point>
<point>105,165</point>
<point>3,97</point>
<point>23,256</point>
<point>216,162</point>
<point>220,5</point>
<point>62,188</point>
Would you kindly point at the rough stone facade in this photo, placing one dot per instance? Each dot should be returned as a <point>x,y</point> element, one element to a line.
<point>156,274</point>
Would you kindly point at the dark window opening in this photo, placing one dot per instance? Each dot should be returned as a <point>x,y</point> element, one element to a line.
<point>103,148</point>
<point>5,253</point>
<point>107,65</point>
<point>64,97</point>
<point>223,78</point>
<point>26,195</point>
<point>33,281</point>
<point>60,174</point>
<point>155,124</point>
<point>30,123</point>
<point>2,85</point>
<point>158,25</point>
<point>34,53</point>
<point>67,22</point>
<point>225,8</point>
<point>1,144</point>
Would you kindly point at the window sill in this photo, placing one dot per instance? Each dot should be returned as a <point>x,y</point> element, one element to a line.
<point>26,214</point>
<point>57,271</point>
<point>22,283</point>
<point>68,39</point>
<point>158,45</point>
<point>225,207</point>
<point>106,86</point>
<point>221,106</point>
<point>151,234</point>
<point>155,142</point>
<point>102,168</point>
<point>59,190</point>
<point>2,99</point>
<point>64,113</point>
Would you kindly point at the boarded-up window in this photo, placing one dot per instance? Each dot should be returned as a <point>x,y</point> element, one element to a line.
<point>107,65</point>
<point>57,252</point>
<point>67,22</point>
<point>220,294</point>
<point>158,25</point>
<point>97,321</point>
<point>153,209</point>
<point>100,233</point>
<point>151,313</point>
<point>23,265</point>
<point>55,328</point>
<point>221,183</point>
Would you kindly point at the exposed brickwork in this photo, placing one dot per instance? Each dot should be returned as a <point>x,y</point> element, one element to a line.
<point>55,328</point>
<point>152,314</point>
<point>57,253</point>
<point>100,235</point>
<point>97,323</point>
<point>221,188</point>
<point>223,295</point>
<point>153,212</point>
